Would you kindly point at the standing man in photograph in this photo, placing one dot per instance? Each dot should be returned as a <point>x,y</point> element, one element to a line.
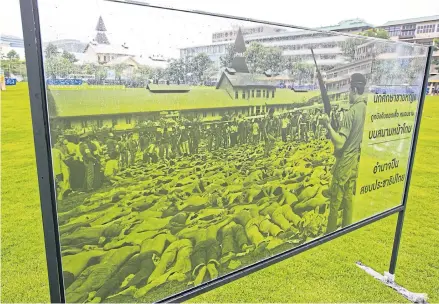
<point>347,143</point>
<point>269,131</point>
<point>285,123</point>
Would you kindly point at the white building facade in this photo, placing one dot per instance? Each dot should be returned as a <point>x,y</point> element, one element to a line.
<point>295,44</point>
<point>422,30</point>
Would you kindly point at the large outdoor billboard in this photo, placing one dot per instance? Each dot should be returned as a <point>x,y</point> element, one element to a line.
<point>186,147</point>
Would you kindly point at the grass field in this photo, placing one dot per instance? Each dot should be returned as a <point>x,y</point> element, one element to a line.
<point>114,100</point>
<point>324,274</point>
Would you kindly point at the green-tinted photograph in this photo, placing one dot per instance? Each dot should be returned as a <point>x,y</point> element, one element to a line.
<point>222,145</point>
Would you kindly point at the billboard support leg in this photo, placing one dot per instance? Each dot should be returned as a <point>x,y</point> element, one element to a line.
<point>401,214</point>
<point>40,125</point>
<point>388,281</point>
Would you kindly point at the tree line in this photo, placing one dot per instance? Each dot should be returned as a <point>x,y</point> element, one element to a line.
<point>12,65</point>
<point>196,69</point>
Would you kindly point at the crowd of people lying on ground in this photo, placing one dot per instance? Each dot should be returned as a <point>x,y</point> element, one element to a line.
<point>86,162</point>
<point>179,214</point>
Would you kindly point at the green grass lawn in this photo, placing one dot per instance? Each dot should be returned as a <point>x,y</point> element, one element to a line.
<point>324,274</point>
<point>85,101</point>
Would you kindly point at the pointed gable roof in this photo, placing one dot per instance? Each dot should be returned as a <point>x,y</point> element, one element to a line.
<point>239,42</point>
<point>238,63</point>
<point>101,37</point>
<point>101,26</point>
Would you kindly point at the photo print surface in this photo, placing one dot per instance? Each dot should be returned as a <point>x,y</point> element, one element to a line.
<point>186,146</point>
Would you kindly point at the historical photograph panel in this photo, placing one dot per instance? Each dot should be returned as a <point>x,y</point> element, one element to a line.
<point>186,146</point>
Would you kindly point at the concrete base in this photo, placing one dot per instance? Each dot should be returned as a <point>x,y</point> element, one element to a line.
<point>389,280</point>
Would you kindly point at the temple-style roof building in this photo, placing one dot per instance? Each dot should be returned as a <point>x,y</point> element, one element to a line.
<point>237,80</point>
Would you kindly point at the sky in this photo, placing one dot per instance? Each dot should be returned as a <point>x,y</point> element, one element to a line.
<point>149,30</point>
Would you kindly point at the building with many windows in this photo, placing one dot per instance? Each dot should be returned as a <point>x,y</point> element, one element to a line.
<point>9,43</point>
<point>375,59</point>
<point>419,30</point>
<point>293,43</point>
<point>422,30</point>
<point>230,35</point>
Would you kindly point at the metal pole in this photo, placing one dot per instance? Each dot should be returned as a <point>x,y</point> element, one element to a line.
<point>401,214</point>
<point>40,123</point>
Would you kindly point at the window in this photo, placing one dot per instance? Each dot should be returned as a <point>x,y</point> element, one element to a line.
<point>428,28</point>
<point>408,33</point>
<point>84,123</point>
<point>68,124</point>
<point>105,58</point>
<point>114,122</point>
<point>243,94</point>
<point>204,114</point>
<point>100,123</point>
<point>272,94</point>
<point>263,93</point>
<point>236,94</point>
<point>409,27</point>
<point>258,93</point>
<point>253,93</point>
<point>128,120</point>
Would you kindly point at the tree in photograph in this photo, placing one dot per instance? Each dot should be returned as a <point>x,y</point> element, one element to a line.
<point>375,33</point>
<point>11,63</point>
<point>13,55</point>
<point>89,69</point>
<point>349,46</point>
<point>211,72</point>
<point>158,73</point>
<point>198,66</point>
<point>69,56</point>
<point>58,66</point>
<point>100,73</point>
<point>261,58</point>
<point>21,69</point>
<point>255,55</point>
<point>51,51</point>
<point>288,64</point>
<point>118,70</point>
<point>176,71</point>
<point>226,59</point>
<point>144,72</point>
<point>273,60</point>
<point>302,72</point>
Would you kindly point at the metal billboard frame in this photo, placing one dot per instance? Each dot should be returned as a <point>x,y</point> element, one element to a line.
<point>41,130</point>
